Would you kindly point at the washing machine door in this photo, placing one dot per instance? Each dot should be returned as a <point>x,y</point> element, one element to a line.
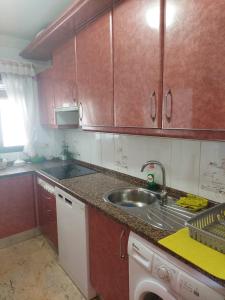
<point>152,290</point>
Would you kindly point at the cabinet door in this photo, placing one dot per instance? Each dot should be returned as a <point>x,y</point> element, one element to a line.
<point>52,233</point>
<point>108,256</point>
<point>17,206</point>
<point>137,58</point>
<point>194,67</point>
<point>95,72</point>
<point>46,98</point>
<point>47,215</point>
<point>65,74</point>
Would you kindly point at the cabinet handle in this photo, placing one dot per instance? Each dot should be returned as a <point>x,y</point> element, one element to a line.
<point>49,212</point>
<point>153,106</point>
<point>168,109</point>
<point>68,201</point>
<point>81,111</point>
<point>122,252</point>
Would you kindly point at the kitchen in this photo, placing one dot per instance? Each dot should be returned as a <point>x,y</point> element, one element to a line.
<point>112,149</point>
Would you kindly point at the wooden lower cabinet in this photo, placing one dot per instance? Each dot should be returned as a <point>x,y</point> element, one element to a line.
<point>47,215</point>
<point>108,256</point>
<point>17,205</point>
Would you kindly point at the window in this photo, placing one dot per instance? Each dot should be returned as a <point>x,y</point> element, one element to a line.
<point>12,131</point>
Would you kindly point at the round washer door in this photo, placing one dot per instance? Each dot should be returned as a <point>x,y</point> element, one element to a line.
<point>152,290</point>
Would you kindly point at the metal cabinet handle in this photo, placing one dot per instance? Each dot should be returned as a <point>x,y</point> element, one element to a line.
<point>81,111</point>
<point>168,108</point>
<point>122,252</point>
<point>49,212</point>
<point>153,106</point>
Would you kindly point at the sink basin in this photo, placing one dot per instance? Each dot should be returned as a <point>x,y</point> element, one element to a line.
<point>144,204</point>
<point>131,197</point>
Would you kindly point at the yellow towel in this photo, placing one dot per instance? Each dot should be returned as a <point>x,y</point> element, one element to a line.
<point>192,202</point>
<point>200,255</point>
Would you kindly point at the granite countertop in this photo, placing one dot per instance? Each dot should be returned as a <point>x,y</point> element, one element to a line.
<point>91,188</point>
<point>30,168</point>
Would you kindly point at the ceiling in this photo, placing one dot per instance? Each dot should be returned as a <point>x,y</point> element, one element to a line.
<point>25,18</point>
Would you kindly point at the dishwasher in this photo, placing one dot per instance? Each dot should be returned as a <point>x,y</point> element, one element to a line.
<point>72,219</point>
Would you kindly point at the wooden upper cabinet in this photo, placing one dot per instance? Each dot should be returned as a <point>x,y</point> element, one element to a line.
<point>64,67</point>
<point>95,72</point>
<point>194,66</point>
<point>46,98</point>
<point>137,58</point>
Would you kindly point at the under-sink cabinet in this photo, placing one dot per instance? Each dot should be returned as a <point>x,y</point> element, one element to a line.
<point>108,256</point>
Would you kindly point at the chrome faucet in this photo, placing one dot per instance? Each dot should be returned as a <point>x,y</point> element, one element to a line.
<point>163,193</point>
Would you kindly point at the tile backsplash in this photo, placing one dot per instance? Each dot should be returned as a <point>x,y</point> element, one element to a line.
<point>196,167</point>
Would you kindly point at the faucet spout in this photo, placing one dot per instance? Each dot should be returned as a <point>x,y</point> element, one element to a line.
<point>163,193</point>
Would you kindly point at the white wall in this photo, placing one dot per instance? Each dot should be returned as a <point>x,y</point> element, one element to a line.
<point>196,167</point>
<point>49,142</point>
<point>10,47</point>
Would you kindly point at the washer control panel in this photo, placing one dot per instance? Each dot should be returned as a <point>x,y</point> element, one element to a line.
<point>190,288</point>
<point>164,271</point>
<point>183,284</point>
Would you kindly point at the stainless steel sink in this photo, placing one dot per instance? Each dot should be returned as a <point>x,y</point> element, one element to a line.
<point>131,197</point>
<point>145,204</point>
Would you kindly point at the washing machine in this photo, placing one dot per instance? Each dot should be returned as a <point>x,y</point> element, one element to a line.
<point>156,275</point>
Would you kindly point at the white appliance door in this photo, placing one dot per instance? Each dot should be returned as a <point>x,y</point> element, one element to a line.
<point>73,241</point>
<point>152,290</point>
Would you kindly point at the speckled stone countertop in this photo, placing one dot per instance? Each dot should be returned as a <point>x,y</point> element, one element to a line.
<point>91,188</point>
<point>30,168</point>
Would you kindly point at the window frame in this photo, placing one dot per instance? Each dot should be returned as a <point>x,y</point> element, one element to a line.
<point>3,149</point>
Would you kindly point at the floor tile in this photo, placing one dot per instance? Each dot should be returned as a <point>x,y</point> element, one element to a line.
<point>30,271</point>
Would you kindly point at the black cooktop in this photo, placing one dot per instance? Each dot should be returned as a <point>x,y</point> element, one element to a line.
<point>68,171</point>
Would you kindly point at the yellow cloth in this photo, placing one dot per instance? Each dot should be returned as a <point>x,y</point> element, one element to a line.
<point>192,202</point>
<point>200,255</point>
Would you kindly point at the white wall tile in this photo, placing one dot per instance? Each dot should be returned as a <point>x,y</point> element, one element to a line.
<point>191,166</point>
<point>108,150</point>
<point>49,142</point>
<point>185,162</point>
<point>134,151</point>
<point>212,171</point>
<point>80,144</point>
<point>96,149</point>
